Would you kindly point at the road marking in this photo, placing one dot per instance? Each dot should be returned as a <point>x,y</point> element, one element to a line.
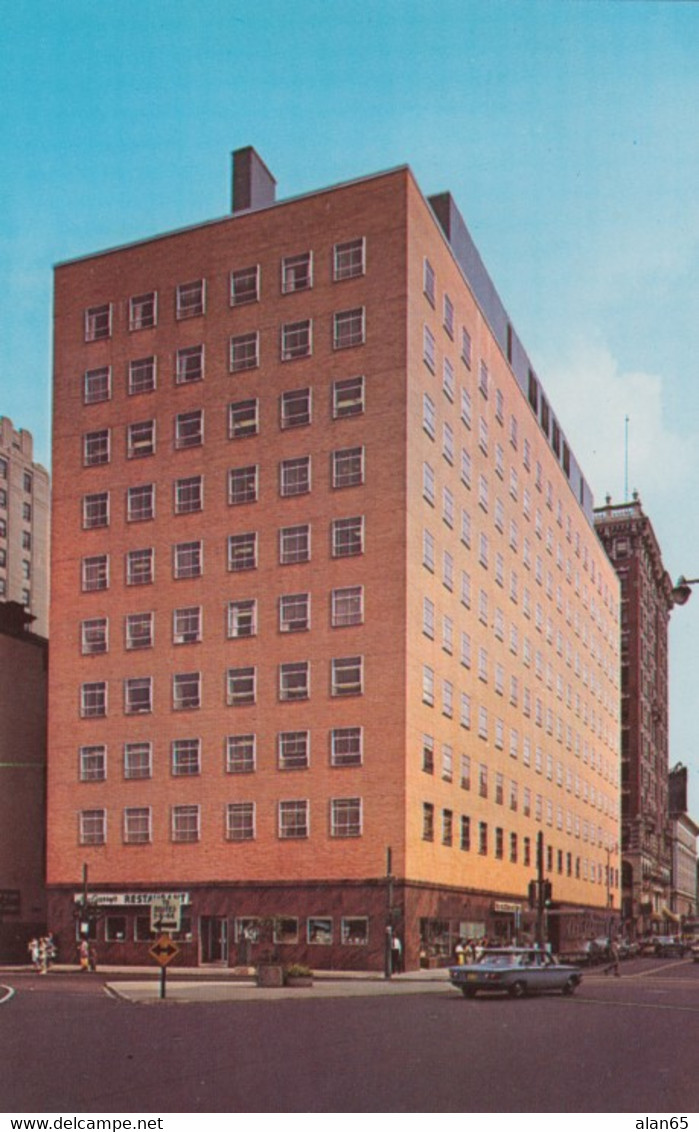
<point>642,1005</point>
<point>664,967</point>
<point>9,993</point>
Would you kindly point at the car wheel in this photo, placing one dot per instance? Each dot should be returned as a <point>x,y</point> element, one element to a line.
<point>468,992</point>
<point>518,989</point>
<point>570,985</point>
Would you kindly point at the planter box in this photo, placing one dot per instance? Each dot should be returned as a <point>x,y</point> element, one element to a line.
<point>298,981</point>
<point>270,975</point>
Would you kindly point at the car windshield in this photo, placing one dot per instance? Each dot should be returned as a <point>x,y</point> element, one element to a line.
<point>500,959</point>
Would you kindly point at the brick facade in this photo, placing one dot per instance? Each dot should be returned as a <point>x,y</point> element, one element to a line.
<point>342,269</point>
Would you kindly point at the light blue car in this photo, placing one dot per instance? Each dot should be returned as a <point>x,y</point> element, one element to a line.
<point>516,971</point>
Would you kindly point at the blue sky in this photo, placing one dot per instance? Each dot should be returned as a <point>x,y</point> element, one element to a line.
<point>566,130</point>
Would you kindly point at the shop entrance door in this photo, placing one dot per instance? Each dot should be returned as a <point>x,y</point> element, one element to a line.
<point>213,932</point>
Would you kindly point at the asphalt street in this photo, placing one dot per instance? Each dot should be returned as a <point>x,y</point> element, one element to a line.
<point>106,1043</point>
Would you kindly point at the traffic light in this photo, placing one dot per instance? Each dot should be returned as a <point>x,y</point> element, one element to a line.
<point>547,893</point>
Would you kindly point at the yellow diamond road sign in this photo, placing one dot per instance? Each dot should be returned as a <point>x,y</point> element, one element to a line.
<point>164,950</point>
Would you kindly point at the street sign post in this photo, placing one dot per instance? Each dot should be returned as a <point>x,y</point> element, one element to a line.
<point>163,951</point>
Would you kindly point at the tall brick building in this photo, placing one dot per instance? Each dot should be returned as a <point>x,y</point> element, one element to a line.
<point>646,601</point>
<point>24,525</point>
<point>330,594</point>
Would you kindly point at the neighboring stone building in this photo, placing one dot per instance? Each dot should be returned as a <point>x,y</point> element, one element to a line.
<point>326,585</point>
<point>24,526</point>
<point>683,842</point>
<point>646,601</point>
<point>23,695</point>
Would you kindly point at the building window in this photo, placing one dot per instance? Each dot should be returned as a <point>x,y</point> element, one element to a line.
<point>346,746</point>
<point>499,843</point>
<point>427,821</point>
<point>345,817</point>
<point>93,764</point>
<point>295,408</point>
<point>243,419</point>
<point>96,448</point>
<point>189,495</point>
<point>138,760</point>
<point>185,823</point>
<point>142,376</point>
<point>295,476</point>
<point>98,385</point>
<point>242,484</point>
<point>293,819</point>
<point>186,757</point>
<point>96,510</point>
<point>296,340</point>
<point>349,259</point>
<point>297,273</point>
<point>346,676</point>
<point>347,606</point>
<point>190,299</point>
<point>140,567</point>
<point>447,827</point>
<point>241,686</point>
<point>428,282</point>
<point>242,551</point>
<point>95,573</point>
<point>428,349</point>
<point>188,560</point>
<point>245,352</point>
<point>348,328</point>
<point>347,536</point>
<point>186,625</point>
<point>143,311</point>
<point>98,322</point>
<point>140,503</point>
<point>138,695</point>
<point>240,754</point>
<point>137,825</point>
<point>186,691</point>
<point>348,467</point>
<point>189,365</point>
<point>294,544</point>
<point>138,629</point>
<point>293,750</point>
<point>92,827</point>
<point>240,821</point>
<point>140,439</point>
<point>483,838</point>
<point>294,613</point>
<point>94,636</point>
<point>189,429</point>
<point>448,320</point>
<point>294,680</point>
<point>93,700</point>
<point>245,286</point>
<point>242,618</point>
<point>348,397</point>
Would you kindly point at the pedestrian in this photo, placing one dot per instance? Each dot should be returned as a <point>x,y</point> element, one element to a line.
<point>84,955</point>
<point>34,953</point>
<point>614,957</point>
<point>396,954</point>
<point>459,952</point>
<point>91,957</point>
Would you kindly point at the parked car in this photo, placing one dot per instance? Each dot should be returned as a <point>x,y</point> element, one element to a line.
<point>669,946</point>
<point>695,952</point>
<point>517,971</point>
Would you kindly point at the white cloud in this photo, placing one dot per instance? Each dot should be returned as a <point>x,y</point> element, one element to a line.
<point>592,397</point>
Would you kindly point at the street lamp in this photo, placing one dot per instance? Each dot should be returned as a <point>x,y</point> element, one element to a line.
<point>681,591</point>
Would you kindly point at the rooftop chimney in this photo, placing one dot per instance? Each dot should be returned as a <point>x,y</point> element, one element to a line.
<point>253,185</point>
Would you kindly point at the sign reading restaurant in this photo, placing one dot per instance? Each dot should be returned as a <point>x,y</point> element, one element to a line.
<point>132,898</point>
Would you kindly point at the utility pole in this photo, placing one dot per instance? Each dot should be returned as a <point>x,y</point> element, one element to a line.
<point>389,913</point>
<point>540,889</point>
